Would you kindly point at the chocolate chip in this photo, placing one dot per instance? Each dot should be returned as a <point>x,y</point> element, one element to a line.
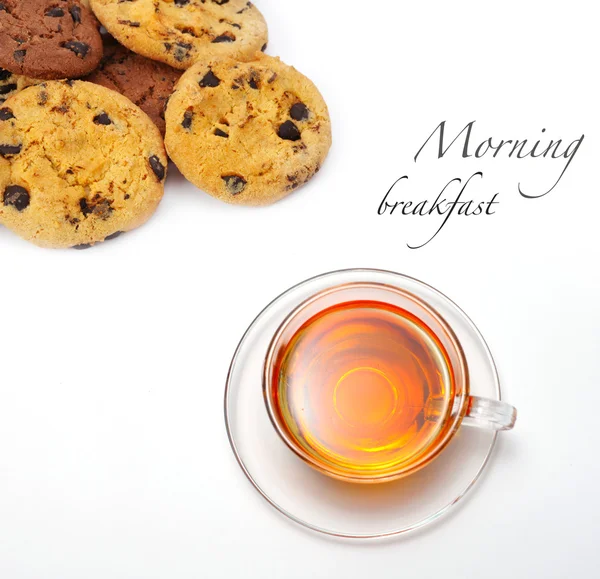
<point>130,23</point>
<point>220,133</point>
<point>75,14</point>
<point>3,8</point>
<point>16,196</point>
<point>85,208</point>
<point>254,81</point>
<point>6,114</point>
<point>62,109</point>
<point>80,49</point>
<point>289,132</point>
<point>8,88</point>
<point>299,112</point>
<point>82,246</point>
<point>181,2</point>
<point>182,50</point>
<point>210,80</point>
<point>227,37</point>
<point>157,167</point>
<point>188,30</point>
<point>113,235</point>
<point>102,119</point>
<point>187,120</point>
<point>10,150</point>
<point>19,55</point>
<point>220,2</point>
<point>264,47</point>
<point>55,12</point>
<point>5,74</point>
<point>248,6</point>
<point>97,206</point>
<point>234,183</point>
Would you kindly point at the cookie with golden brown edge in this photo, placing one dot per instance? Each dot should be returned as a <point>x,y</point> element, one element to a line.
<point>179,32</point>
<point>79,164</point>
<point>48,39</point>
<point>247,133</point>
<point>145,82</point>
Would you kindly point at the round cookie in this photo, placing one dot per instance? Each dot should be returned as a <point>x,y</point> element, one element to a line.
<point>79,164</point>
<point>179,32</point>
<point>145,82</point>
<point>247,133</point>
<point>11,84</point>
<point>48,39</point>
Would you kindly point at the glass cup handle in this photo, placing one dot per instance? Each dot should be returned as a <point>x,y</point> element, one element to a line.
<point>490,414</point>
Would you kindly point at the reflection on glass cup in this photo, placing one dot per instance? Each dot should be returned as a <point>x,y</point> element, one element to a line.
<point>368,383</point>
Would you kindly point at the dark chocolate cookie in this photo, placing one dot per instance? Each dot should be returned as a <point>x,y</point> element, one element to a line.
<point>145,82</point>
<point>48,39</point>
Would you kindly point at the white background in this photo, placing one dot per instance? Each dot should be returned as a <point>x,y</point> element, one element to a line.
<point>114,462</point>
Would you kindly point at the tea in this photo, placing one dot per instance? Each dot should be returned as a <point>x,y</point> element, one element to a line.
<point>363,388</point>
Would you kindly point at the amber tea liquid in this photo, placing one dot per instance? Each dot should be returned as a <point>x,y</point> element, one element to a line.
<point>363,388</point>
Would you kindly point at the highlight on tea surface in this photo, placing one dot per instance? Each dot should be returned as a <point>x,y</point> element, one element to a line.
<point>364,388</point>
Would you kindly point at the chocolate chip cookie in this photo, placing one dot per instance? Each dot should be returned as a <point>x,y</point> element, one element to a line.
<point>48,39</point>
<point>79,164</point>
<point>179,32</point>
<point>145,82</point>
<point>11,84</point>
<point>247,133</point>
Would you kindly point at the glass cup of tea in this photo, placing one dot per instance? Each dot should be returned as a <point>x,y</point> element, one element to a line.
<point>367,383</point>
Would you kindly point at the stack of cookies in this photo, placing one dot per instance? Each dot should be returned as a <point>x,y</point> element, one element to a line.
<point>94,93</point>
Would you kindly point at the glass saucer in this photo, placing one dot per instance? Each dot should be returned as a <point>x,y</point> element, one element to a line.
<point>334,507</point>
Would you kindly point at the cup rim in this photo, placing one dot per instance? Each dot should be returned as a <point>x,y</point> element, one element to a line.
<point>454,418</point>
